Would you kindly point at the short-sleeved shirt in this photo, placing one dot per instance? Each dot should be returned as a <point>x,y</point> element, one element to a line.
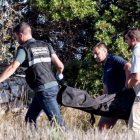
<point>114,74</point>
<point>135,65</point>
<point>22,59</point>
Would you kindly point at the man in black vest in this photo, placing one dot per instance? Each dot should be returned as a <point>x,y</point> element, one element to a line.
<point>36,57</point>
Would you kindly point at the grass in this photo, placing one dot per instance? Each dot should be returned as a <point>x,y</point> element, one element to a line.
<point>13,127</point>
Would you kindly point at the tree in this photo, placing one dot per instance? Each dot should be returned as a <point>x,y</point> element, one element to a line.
<point>9,17</point>
<point>109,19</point>
<point>64,36</point>
<point>72,27</point>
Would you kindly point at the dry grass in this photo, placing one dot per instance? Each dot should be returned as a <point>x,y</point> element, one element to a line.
<point>13,127</point>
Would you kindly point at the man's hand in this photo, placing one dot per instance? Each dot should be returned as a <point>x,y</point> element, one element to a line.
<point>105,90</point>
<point>124,89</point>
<point>60,76</point>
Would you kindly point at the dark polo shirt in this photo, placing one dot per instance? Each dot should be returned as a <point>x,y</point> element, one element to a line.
<point>113,73</point>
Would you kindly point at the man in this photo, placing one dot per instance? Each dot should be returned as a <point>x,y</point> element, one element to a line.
<point>36,57</point>
<point>132,38</point>
<point>116,73</point>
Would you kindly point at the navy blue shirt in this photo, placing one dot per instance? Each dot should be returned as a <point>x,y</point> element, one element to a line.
<point>113,73</point>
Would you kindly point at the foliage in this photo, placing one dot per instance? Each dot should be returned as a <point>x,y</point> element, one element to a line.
<point>69,25</point>
<point>65,36</point>
<point>14,127</point>
<point>109,19</point>
<point>85,74</point>
<point>9,17</point>
<point>67,9</point>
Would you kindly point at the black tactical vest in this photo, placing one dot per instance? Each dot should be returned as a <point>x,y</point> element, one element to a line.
<point>39,69</point>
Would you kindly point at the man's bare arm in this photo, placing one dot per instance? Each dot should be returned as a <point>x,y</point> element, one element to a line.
<point>58,63</point>
<point>9,71</point>
<point>135,78</point>
<point>127,68</point>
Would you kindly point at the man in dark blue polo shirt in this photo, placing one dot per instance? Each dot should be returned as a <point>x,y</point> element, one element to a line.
<point>116,73</point>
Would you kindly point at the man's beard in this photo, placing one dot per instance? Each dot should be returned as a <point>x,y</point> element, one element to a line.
<point>101,61</point>
<point>130,47</point>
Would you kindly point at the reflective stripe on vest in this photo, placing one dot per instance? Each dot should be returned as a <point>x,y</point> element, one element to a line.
<point>38,60</point>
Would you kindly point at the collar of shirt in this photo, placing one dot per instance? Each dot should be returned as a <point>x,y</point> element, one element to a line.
<point>137,45</point>
<point>108,57</point>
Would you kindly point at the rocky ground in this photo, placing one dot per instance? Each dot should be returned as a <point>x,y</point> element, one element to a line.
<point>13,93</point>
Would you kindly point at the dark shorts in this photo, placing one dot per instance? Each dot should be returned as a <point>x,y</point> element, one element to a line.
<point>107,120</point>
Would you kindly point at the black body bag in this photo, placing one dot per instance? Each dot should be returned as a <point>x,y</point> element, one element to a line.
<point>113,105</point>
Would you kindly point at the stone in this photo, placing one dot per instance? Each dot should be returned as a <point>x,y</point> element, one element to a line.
<point>12,94</point>
<point>16,105</point>
<point>4,96</point>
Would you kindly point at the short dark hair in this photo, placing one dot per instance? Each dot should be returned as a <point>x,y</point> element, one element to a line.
<point>22,27</point>
<point>100,45</point>
<point>133,33</point>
